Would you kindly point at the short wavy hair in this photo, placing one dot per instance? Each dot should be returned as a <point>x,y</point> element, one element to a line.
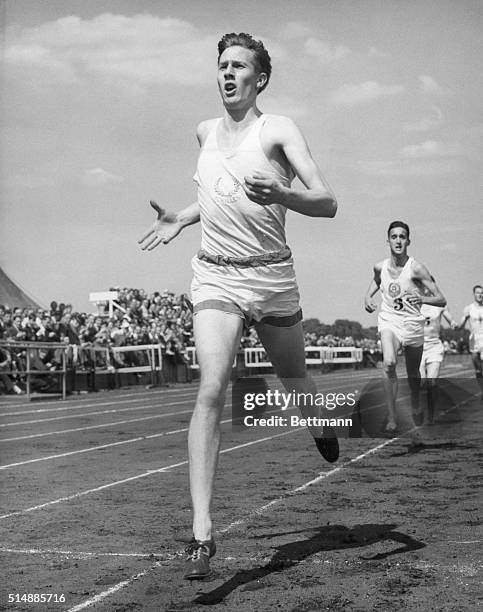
<point>405,226</point>
<point>262,58</point>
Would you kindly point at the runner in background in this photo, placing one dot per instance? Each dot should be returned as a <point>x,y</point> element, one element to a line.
<point>473,314</point>
<point>405,286</point>
<point>433,354</point>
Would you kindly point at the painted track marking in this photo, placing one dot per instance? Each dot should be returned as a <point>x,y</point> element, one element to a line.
<point>113,444</point>
<point>137,477</point>
<point>63,431</point>
<point>103,595</point>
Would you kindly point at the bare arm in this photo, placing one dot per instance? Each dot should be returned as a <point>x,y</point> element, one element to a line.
<point>374,287</point>
<point>168,225</point>
<point>449,319</point>
<point>317,200</point>
<point>464,319</point>
<point>433,295</point>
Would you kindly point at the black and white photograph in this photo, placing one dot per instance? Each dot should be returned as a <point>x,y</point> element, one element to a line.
<point>241,305</point>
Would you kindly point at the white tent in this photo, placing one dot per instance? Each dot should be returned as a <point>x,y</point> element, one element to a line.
<point>11,295</point>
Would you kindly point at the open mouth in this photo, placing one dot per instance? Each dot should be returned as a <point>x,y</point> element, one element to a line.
<point>229,88</point>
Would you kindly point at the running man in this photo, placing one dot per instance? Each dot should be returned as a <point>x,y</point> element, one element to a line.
<point>473,314</point>
<point>405,285</point>
<point>244,271</point>
<point>433,353</point>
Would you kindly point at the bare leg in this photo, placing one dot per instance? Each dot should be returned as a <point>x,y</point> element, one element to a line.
<point>413,356</point>
<point>217,336</point>
<point>286,349</point>
<point>390,345</point>
<point>432,389</point>
<point>476,359</point>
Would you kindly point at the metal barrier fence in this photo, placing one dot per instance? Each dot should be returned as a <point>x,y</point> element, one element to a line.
<point>256,357</point>
<point>343,354</point>
<point>138,359</point>
<point>32,361</point>
<point>192,358</point>
<point>73,360</point>
<point>28,360</point>
<point>92,358</point>
<point>314,355</point>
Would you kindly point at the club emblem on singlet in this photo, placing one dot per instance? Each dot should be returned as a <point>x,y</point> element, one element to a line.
<point>227,189</point>
<point>394,289</point>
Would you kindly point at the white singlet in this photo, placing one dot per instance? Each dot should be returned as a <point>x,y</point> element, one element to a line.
<point>235,227</point>
<point>396,313</point>
<point>475,313</point>
<point>433,350</point>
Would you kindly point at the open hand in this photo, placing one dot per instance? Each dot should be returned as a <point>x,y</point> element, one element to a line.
<point>163,230</point>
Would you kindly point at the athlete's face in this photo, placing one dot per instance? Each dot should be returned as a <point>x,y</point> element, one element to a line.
<point>238,77</point>
<point>398,241</point>
<point>478,293</point>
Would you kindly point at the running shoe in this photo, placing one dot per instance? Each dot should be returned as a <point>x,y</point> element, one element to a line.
<point>198,555</point>
<point>328,445</point>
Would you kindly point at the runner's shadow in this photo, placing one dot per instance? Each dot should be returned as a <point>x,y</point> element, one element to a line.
<point>333,537</point>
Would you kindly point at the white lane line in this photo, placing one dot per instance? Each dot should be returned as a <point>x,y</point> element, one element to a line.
<point>76,554</point>
<point>132,440</point>
<point>27,437</point>
<point>87,427</point>
<point>157,393</point>
<point>112,444</point>
<point>100,404</point>
<point>320,477</point>
<point>97,404</point>
<point>104,594</point>
<point>161,556</point>
<point>100,446</point>
<point>88,414</point>
<point>114,589</point>
<point>324,475</point>
<point>88,450</point>
<point>100,596</point>
<point>354,376</point>
<point>175,465</point>
<point>117,392</point>
<point>137,477</point>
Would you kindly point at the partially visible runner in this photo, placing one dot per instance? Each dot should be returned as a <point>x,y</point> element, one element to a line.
<point>405,285</point>
<point>473,314</point>
<point>244,272</point>
<point>433,354</point>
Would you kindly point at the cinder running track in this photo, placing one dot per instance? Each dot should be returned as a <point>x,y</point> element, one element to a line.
<point>95,508</point>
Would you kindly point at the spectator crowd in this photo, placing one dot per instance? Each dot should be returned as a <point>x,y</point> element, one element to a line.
<point>164,319</point>
<point>138,318</point>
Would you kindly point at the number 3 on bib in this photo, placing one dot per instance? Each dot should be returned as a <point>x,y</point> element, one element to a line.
<point>398,304</point>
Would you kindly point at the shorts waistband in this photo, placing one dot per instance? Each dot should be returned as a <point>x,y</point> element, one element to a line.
<point>250,261</point>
